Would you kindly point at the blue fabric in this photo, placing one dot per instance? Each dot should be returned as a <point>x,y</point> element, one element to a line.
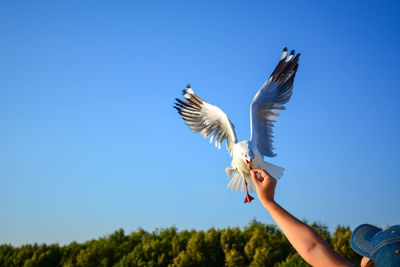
<point>382,246</point>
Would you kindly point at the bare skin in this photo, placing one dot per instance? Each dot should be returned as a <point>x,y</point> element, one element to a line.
<point>310,245</point>
<point>365,261</point>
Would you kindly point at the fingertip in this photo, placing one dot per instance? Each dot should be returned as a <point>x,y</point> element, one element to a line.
<point>253,176</point>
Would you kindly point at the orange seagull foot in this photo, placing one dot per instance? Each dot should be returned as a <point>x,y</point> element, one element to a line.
<point>248,198</point>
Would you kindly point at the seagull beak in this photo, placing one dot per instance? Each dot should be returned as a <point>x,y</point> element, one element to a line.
<point>249,165</point>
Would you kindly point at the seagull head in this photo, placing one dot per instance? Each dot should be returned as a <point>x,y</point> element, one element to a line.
<point>243,155</point>
<point>248,156</point>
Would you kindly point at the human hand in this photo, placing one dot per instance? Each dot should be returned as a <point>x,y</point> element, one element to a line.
<point>265,186</point>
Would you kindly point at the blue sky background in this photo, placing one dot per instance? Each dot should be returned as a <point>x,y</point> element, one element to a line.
<point>89,141</point>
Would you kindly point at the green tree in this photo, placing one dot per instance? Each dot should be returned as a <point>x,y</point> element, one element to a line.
<point>196,250</point>
<point>256,245</point>
<point>96,253</point>
<point>294,260</point>
<point>232,239</point>
<point>183,260</point>
<point>70,253</point>
<point>233,258</point>
<point>45,256</point>
<point>232,243</point>
<point>7,255</point>
<point>179,243</point>
<point>215,254</point>
<point>154,249</point>
<point>266,245</point>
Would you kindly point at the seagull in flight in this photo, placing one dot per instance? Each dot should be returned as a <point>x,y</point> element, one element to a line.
<point>209,120</point>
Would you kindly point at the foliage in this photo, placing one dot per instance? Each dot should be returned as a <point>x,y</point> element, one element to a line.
<point>257,244</point>
<point>294,260</point>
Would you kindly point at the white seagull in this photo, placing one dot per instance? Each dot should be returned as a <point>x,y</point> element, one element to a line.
<point>202,117</point>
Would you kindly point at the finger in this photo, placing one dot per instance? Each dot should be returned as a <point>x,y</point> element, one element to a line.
<point>259,177</point>
<point>263,173</point>
<point>254,178</point>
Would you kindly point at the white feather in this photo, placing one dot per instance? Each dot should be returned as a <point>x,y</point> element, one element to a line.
<point>284,54</point>
<point>190,91</point>
<point>229,171</point>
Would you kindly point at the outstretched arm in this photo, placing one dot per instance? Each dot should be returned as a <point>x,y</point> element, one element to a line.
<point>310,245</point>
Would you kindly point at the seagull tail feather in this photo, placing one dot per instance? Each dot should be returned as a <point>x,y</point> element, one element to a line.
<point>237,183</point>
<point>273,170</point>
<point>230,171</point>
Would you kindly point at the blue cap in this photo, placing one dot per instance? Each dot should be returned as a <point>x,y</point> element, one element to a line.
<point>382,246</point>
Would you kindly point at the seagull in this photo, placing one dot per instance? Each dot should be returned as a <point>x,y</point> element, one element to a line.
<point>209,120</point>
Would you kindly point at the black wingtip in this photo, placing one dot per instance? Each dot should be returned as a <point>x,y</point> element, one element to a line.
<point>178,101</point>
<point>296,58</point>
<point>287,65</point>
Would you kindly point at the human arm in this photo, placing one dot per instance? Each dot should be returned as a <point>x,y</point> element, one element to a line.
<point>310,245</point>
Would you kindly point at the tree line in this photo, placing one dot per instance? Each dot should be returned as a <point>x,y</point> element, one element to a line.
<point>257,244</point>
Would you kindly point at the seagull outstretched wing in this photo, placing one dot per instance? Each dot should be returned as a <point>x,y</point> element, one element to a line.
<point>209,120</point>
<point>275,92</point>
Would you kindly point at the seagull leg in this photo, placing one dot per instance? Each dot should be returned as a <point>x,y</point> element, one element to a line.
<point>248,197</point>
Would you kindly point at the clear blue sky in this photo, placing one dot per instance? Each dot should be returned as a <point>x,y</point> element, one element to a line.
<point>89,141</point>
